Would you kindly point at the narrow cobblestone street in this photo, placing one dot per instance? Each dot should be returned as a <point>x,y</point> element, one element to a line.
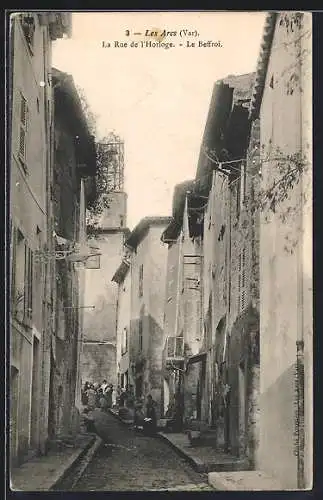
<point>129,461</point>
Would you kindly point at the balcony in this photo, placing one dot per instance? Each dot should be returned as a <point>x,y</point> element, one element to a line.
<point>174,349</point>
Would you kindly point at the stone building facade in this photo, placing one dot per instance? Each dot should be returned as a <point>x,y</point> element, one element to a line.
<point>100,324</point>
<point>122,277</point>
<point>31,148</point>
<point>227,180</point>
<point>74,166</point>
<point>281,103</point>
<point>147,274</point>
<point>217,296</point>
<point>183,305</point>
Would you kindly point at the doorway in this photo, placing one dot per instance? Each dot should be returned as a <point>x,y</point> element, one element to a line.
<point>139,382</point>
<point>52,399</point>
<point>14,399</point>
<point>242,409</point>
<point>34,424</point>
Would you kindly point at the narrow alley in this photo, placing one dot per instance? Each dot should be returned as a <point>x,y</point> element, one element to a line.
<point>159,243</point>
<point>129,461</point>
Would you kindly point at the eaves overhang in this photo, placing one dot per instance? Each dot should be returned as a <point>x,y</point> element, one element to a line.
<point>141,229</point>
<point>121,273</point>
<point>262,64</point>
<point>68,104</point>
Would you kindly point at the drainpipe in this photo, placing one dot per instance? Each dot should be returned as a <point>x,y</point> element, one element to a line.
<point>48,269</point>
<point>228,270</point>
<point>81,285</point>
<point>211,341</point>
<point>299,382</point>
<point>180,271</point>
<point>179,281</point>
<point>227,325</point>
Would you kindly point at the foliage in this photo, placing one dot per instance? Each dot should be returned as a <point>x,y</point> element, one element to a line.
<point>106,160</point>
<point>298,46</point>
<point>276,195</point>
<point>91,117</point>
<point>291,21</point>
<point>289,168</point>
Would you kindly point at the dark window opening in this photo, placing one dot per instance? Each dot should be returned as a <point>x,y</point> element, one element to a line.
<point>140,335</point>
<point>141,278</point>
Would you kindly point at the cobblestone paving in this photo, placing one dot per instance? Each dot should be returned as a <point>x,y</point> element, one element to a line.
<point>129,461</point>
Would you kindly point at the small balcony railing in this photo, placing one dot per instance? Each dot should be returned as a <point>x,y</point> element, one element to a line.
<point>174,348</point>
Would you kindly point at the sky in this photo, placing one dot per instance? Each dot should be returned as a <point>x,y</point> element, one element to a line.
<point>156,99</point>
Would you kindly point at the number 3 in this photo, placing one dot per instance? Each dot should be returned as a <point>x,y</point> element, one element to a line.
<point>127,33</point>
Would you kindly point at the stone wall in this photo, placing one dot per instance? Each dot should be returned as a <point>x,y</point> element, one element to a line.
<point>285,268</point>
<point>98,363</point>
<point>149,309</point>
<point>28,214</point>
<point>100,323</point>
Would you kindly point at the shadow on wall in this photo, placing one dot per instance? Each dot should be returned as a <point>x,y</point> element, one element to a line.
<point>243,358</point>
<point>146,354</point>
<point>100,323</point>
<point>99,363</point>
<point>277,436</point>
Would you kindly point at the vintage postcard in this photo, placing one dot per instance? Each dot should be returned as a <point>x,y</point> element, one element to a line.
<point>160,251</point>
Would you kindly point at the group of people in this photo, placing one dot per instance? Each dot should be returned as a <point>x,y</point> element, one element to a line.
<point>95,395</point>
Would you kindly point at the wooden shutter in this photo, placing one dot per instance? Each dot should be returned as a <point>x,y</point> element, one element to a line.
<point>239,283</point>
<point>243,279</point>
<point>13,261</point>
<point>22,143</point>
<point>30,284</point>
<point>26,272</point>
<point>23,110</point>
<point>23,118</point>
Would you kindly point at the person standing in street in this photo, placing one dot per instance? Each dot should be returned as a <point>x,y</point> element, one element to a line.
<point>91,395</point>
<point>84,393</point>
<point>150,422</point>
<point>104,386</point>
<point>123,397</point>
<point>108,395</point>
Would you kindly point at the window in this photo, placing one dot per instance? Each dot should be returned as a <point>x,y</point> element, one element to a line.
<point>22,277</point>
<point>28,282</point>
<point>23,124</point>
<point>28,27</point>
<point>140,334</point>
<point>93,262</point>
<point>124,346</point>
<point>141,279</point>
